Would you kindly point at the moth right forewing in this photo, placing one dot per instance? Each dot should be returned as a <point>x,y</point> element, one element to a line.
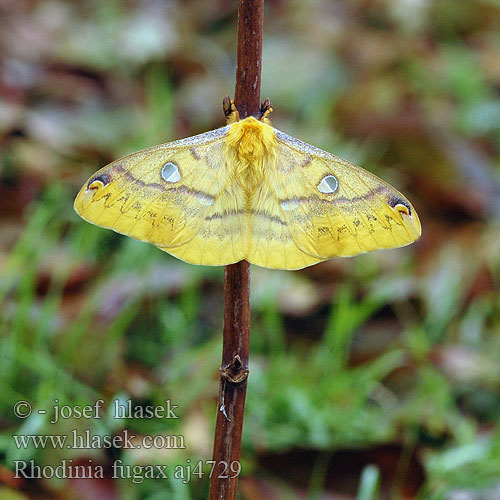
<point>343,210</point>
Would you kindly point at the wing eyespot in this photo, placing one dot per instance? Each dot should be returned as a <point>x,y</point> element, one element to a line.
<point>99,181</point>
<point>402,209</point>
<point>328,185</point>
<point>170,172</point>
<point>399,205</point>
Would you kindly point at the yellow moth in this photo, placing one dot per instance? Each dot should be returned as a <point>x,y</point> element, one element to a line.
<point>247,191</point>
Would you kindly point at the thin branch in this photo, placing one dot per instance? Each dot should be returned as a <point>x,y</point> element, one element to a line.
<point>250,22</point>
<point>236,334</point>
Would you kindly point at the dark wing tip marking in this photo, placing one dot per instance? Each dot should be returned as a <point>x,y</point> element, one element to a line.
<point>394,201</point>
<point>103,179</point>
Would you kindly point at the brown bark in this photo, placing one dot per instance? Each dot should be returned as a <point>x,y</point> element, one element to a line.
<point>236,334</point>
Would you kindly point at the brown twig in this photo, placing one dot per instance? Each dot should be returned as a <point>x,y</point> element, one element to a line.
<point>236,334</point>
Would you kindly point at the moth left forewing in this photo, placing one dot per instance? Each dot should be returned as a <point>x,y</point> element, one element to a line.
<point>168,195</point>
<point>126,196</point>
<point>335,208</point>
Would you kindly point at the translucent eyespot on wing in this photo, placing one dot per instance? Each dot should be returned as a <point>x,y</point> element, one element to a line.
<point>335,208</point>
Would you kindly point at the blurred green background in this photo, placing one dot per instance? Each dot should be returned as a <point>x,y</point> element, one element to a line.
<point>376,377</point>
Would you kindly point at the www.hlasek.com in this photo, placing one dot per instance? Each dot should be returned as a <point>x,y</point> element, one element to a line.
<point>87,441</point>
<point>66,469</point>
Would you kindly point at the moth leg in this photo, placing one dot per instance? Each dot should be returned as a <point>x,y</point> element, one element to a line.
<point>230,110</point>
<point>266,108</point>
